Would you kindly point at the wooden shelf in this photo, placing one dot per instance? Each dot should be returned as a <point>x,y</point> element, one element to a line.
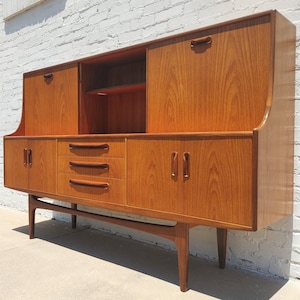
<point>120,89</point>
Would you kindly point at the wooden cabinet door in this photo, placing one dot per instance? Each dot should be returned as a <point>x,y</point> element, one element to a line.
<point>212,182</point>
<point>150,181</point>
<point>218,186</point>
<point>15,163</point>
<point>42,171</point>
<point>210,80</point>
<point>51,102</point>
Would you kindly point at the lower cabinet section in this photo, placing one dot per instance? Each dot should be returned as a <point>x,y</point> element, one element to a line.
<point>207,180</point>
<point>193,180</point>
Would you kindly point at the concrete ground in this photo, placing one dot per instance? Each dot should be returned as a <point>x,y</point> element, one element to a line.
<point>62,263</point>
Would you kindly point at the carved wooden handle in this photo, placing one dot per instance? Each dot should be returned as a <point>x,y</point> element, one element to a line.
<point>186,164</point>
<point>30,157</point>
<point>174,164</point>
<point>25,156</point>
<point>101,185</point>
<point>89,146</point>
<point>202,41</point>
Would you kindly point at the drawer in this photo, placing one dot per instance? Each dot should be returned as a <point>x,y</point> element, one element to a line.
<point>92,188</point>
<point>90,166</point>
<point>91,147</point>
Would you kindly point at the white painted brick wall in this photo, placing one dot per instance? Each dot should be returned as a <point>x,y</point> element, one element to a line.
<point>57,31</point>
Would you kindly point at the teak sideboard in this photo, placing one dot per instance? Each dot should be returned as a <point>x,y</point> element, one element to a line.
<point>195,128</point>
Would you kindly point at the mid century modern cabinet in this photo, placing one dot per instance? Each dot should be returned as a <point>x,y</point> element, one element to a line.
<point>195,128</point>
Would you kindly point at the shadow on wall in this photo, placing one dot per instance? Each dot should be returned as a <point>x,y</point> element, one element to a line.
<point>34,15</point>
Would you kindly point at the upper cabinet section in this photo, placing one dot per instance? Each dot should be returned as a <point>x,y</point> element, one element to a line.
<point>222,78</point>
<point>216,79</point>
<point>51,101</point>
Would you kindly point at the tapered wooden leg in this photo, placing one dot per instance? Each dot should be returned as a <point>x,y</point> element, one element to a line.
<point>222,244</point>
<point>182,243</point>
<point>31,211</point>
<point>74,217</point>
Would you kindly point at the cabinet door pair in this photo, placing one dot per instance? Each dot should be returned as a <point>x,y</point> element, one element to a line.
<point>30,164</point>
<point>203,178</point>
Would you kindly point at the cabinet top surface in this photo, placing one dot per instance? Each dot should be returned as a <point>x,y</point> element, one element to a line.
<point>139,49</point>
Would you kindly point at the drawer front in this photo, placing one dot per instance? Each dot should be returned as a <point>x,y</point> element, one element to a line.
<point>91,148</point>
<point>92,188</point>
<point>90,166</point>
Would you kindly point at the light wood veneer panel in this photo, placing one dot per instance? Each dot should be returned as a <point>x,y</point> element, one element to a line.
<point>51,105</point>
<point>15,171</point>
<point>275,137</point>
<point>220,186</point>
<point>42,174</point>
<point>219,86</point>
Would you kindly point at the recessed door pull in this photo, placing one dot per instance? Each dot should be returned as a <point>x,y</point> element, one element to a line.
<point>48,76</point>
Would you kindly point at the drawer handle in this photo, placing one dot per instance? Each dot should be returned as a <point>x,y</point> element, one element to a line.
<point>186,165</point>
<point>202,41</point>
<point>101,185</point>
<point>89,165</point>
<point>174,164</point>
<point>88,146</point>
<point>48,76</point>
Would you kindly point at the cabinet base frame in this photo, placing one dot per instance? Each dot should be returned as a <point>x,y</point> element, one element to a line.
<point>179,233</point>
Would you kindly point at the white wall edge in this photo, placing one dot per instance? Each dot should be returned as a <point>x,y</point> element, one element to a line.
<point>12,8</point>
